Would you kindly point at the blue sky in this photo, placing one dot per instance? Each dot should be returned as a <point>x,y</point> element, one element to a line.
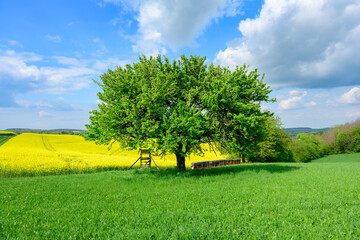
<point>51,50</point>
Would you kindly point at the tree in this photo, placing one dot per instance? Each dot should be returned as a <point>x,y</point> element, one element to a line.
<point>307,147</point>
<point>344,142</point>
<point>175,107</point>
<point>356,138</point>
<point>276,148</point>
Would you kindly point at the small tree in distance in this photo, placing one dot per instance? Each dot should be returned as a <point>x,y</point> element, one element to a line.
<point>174,107</point>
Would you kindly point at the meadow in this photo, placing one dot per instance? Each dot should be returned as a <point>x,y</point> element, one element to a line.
<point>316,200</point>
<point>31,154</point>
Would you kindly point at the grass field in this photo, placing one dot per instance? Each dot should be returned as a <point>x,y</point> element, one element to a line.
<point>317,200</point>
<point>31,154</point>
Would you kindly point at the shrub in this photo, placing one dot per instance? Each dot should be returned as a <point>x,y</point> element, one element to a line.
<point>344,142</point>
<point>276,148</point>
<point>307,147</point>
<point>356,139</point>
<point>342,138</point>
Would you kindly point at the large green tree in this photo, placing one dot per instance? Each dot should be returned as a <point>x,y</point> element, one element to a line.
<point>174,107</point>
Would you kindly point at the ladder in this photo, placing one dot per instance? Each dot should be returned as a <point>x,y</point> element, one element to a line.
<point>145,159</point>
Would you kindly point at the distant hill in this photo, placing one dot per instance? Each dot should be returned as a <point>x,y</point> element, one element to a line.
<point>49,131</point>
<point>294,131</point>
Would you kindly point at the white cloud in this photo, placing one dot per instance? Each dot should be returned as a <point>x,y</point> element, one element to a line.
<point>164,24</point>
<point>295,100</point>
<point>300,43</point>
<point>352,96</point>
<point>290,103</point>
<point>55,39</point>
<point>22,72</point>
<point>19,74</point>
<point>18,68</point>
<point>15,65</point>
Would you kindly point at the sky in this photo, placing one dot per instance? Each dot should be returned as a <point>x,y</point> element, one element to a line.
<point>50,51</point>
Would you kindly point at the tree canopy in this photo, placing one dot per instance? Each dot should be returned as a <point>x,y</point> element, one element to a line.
<point>174,107</point>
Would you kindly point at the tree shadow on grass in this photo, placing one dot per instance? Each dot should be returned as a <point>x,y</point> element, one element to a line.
<point>235,169</point>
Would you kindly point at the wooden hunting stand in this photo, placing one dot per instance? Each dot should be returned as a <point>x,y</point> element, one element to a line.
<point>145,159</point>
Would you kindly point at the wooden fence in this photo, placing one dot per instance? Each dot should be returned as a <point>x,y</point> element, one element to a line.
<point>215,163</point>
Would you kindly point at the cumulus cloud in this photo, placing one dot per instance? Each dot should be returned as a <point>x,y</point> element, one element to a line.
<point>290,103</point>
<point>300,43</point>
<point>352,96</point>
<point>163,24</point>
<point>295,100</point>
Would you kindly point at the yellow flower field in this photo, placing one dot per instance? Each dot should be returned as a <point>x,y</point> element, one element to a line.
<point>31,154</point>
<point>6,133</point>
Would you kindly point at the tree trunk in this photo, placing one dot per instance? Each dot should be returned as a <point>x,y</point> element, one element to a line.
<point>180,159</point>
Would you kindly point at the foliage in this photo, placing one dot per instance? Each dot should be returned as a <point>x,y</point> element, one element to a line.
<point>295,131</point>
<point>252,201</point>
<point>356,139</point>
<point>329,139</point>
<point>176,107</point>
<point>276,148</point>
<point>344,142</point>
<point>343,138</point>
<point>306,147</point>
<point>47,154</point>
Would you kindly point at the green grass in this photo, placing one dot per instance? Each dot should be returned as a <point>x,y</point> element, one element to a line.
<point>317,200</point>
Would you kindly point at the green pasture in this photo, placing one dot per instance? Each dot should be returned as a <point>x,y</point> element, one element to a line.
<point>316,200</point>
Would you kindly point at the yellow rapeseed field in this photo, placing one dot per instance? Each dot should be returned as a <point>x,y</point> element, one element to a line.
<point>6,133</point>
<point>31,154</point>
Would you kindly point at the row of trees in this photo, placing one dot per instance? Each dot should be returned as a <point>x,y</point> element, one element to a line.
<point>280,147</point>
<point>343,138</point>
